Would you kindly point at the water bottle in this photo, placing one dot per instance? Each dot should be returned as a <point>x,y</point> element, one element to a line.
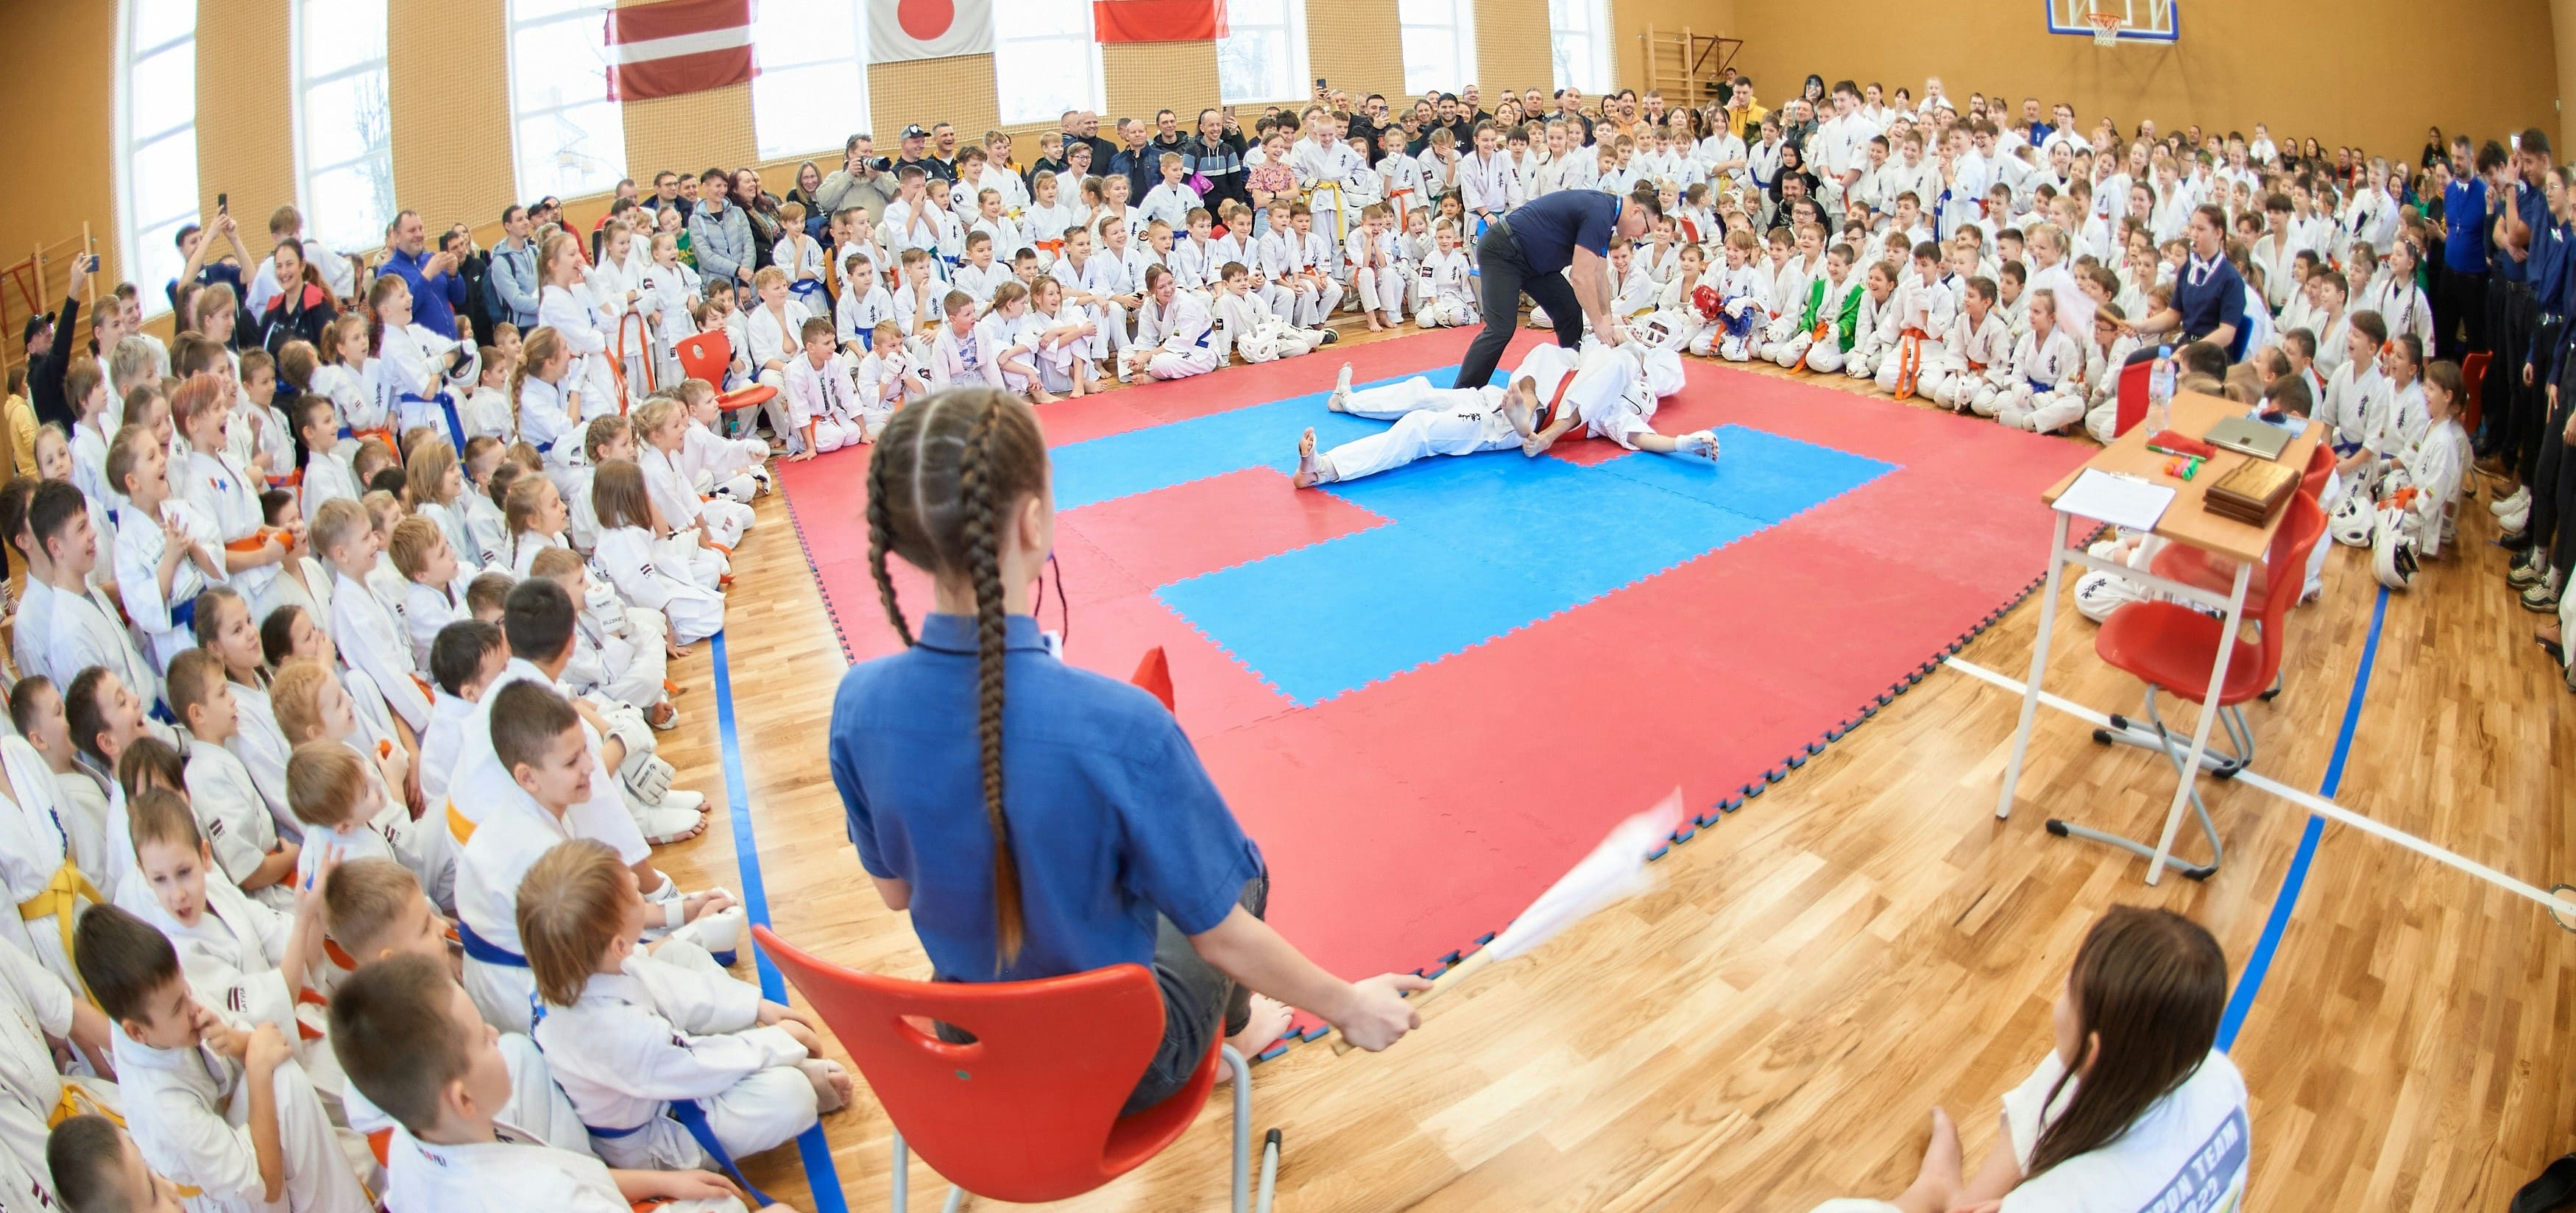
<point>2160,391</point>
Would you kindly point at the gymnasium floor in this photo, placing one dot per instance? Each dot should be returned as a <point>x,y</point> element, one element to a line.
<point>1769,1027</point>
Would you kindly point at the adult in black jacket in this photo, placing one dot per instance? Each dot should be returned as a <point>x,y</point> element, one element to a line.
<point>303,305</point>
<point>45,371</point>
<point>1217,154</point>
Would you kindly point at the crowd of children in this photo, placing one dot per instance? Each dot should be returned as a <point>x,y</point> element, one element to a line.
<point>331,790</point>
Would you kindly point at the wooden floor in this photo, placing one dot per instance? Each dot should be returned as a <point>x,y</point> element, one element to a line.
<point>1771,1026</point>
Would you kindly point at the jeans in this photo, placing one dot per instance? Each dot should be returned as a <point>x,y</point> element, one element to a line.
<point>1506,275</point>
<point>1201,1005</point>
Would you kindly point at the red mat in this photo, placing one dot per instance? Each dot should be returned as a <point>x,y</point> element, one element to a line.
<point>1407,818</point>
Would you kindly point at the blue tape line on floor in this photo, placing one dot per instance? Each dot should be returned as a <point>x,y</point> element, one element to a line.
<point>2258,965</point>
<point>820,1174</point>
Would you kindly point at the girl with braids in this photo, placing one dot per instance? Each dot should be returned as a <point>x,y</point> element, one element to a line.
<point>2134,1109</point>
<point>1107,844</point>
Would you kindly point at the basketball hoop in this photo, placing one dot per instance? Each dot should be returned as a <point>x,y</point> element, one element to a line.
<point>2106,27</point>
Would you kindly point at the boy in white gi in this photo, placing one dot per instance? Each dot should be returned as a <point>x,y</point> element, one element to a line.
<point>1428,421</point>
<point>1732,305</point>
<point>1978,355</point>
<point>2047,392</point>
<point>433,583</point>
<point>412,1045</point>
<point>53,860</point>
<point>164,546</point>
<point>1924,309</point>
<point>979,274</point>
<point>1847,314</point>
<point>369,637</point>
<point>1446,297</point>
<point>821,400</point>
<point>229,808</point>
<point>865,303</point>
<point>1255,334</point>
<point>1606,392</point>
<point>200,1090</point>
<point>1377,268</point>
<point>2104,356</point>
<point>669,1069</point>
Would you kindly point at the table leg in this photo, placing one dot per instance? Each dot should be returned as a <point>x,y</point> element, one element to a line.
<point>2208,715</point>
<point>2038,670</point>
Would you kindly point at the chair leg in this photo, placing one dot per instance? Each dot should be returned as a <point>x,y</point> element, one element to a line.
<point>2216,760</point>
<point>2164,739</point>
<point>902,1175</point>
<point>956,1200</point>
<point>1242,1082</point>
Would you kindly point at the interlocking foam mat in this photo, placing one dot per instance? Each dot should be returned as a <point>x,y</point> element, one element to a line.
<point>1428,692</point>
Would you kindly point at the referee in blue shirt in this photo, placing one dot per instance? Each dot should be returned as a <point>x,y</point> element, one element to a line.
<point>2461,305</point>
<point>1555,249</point>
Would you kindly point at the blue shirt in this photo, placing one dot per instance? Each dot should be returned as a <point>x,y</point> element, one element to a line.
<point>2464,209</point>
<point>1112,819</point>
<point>2548,267</point>
<point>2210,301</point>
<point>1551,226</point>
<point>433,304</point>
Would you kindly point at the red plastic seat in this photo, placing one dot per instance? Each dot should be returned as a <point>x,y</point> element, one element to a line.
<point>1028,1112</point>
<point>2192,566</point>
<point>2473,376</point>
<point>2131,405</point>
<point>2171,646</point>
<point>706,356</point>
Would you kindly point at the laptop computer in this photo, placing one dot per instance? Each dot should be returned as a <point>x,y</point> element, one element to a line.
<point>2248,436</point>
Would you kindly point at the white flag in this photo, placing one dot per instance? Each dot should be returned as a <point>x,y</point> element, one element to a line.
<point>929,29</point>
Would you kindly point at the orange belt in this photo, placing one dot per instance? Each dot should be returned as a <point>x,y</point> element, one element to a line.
<point>1909,360</point>
<point>385,436</point>
<point>1975,365</point>
<point>1051,247</point>
<point>254,541</point>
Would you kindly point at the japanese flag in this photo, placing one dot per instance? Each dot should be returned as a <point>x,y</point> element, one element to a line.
<point>899,30</point>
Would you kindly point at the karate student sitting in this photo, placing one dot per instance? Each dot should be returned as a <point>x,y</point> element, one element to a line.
<point>313,708</point>
<point>550,405</point>
<point>1289,255</point>
<point>980,273</point>
<point>434,487</point>
<point>664,428</point>
<point>537,519</point>
<point>1175,337</point>
<point>1847,310</point>
<point>164,546</point>
<point>1378,274</point>
<point>370,637</point>
<point>326,476</point>
<point>2104,355</point>
<point>670,1069</point>
<point>466,655</point>
<point>1447,295</point>
<point>1064,336</point>
<point>226,1107</point>
<point>222,489</point>
<point>635,554</point>
<point>1737,309</point>
<point>2134,1108</point>
<point>1257,335</point>
<point>736,469</point>
<point>2047,393</point>
<point>486,412</point>
<point>432,597</point>
<point>1976,362</point>
<point>234,816</point>
<point>2390,406</point>
<point>81,625</point>
<point>54,854</point>
<point>2356,401</point>
<point>1098,284</point>
<point>956,355</point>
<point>821,398</point>
<point>1008,339</point>
<point>2424,477</point>
<point>34,1092</point>
<point>865,303</point>
<point>1926,307</point>
<point>413,1046</point>
<point>1828,285</point>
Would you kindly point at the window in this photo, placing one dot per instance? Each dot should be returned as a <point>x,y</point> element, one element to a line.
<point>1263,55</point>
<point>570,137</point>
<point>1579,41</point>
<point>1439,44</point>
<point>158,193</point>
<point>1044,61</point>
<point>812,90</point>
<point>344,123</point>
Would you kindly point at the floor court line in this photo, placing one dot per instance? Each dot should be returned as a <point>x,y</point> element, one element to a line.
<point>821,1176</point>
<point>2310,801</point>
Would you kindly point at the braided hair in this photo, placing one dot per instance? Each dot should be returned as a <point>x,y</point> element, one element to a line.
<point>947,475</point>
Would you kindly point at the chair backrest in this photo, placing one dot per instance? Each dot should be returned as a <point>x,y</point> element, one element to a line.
<point>705,356</point>
<point>2321,464</point>
<point>2473,379</point>
<point>2303,526</point>
<point>2131,407</point>
<point>1024,1112</point>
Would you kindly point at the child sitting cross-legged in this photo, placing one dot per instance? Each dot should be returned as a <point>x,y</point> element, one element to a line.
<point>670,1068</point>
<point>223,1104</point>
<point>620,653</point>
<point>639,559</point>
<point>413,1046</point>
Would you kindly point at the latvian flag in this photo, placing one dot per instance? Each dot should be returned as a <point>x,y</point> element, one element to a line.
<point>678,46</point>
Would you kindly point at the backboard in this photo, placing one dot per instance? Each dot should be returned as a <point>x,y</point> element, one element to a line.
<point>2141,20</point>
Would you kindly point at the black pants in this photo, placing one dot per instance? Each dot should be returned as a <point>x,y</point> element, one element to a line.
<point>2531,401</point>
<point>2504,373</point>
<point>1201,1005</point>
<point>1507,276</point>
<point>2553,489</point>
<point>2459,315</point>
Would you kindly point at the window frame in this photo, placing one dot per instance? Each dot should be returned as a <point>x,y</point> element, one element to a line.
<point>1293,29</point>
<point>305,169</point>
<point>768,69</point>
<point>131,226</point>
<point>513,26</point>
<point>1461,34</point>
<point>1596,38</point>
<point>1096,101</point>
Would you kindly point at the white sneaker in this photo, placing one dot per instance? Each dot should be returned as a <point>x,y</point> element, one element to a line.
<point>2521,500</point>
<point>2515,519</point>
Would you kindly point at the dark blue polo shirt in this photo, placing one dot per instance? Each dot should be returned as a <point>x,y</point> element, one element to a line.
<point>1550,227</point>
<point>1112,819</point>
<point>2505,266</point>
<point>2210,301</point>
<point>2464,204</point>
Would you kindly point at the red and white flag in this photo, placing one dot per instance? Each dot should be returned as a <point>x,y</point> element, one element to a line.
<point>678,46</point>
<point>930,29</point>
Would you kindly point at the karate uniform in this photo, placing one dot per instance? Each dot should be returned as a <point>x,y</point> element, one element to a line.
<point>1428,421</point>
<point>53,858</point>
<point>2102,371</point>
<point>82,631</point>
<point>666,478</point>
<point>1185,334</point>
<point>636,1043</point>
<point>1444,294</point>
<point>2047,392</point>
<point>637,564</point>
<point>736,468</point>
<point>1377,272</point>
<point>235,819</point>
<point>411,376</point>
<point>188,1111</point>
<point>167,621</point>
<point>226,491</point>
<point>619,652</point>
<point>1978,367</point>
<point>1910,361</point>
<point>1607,389</point>
<point>1102,277</point>
<point>515,1172</point>
<point>546,424</point>
<point>261,746</point>
<point>1257,335</point>
<point>426,610</point>
<point>34,1004</point>
<point>371,639</point>
<point>817,396</point>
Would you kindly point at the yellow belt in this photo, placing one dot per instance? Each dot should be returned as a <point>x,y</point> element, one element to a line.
<point>76,1100</point>
<point>60,896</point>
<point>1341,219</point>
<point>459,826</point>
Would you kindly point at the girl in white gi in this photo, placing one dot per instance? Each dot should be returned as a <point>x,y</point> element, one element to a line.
<point>865,303</point>
<point>771,333</point>
<point>550,404</point>
<point>1863,328</point>
<point>239,826</point>
<point>164,546</point>
<point>821,399</point>
<point>1048,218</point>
<point>1175,337</point>
<point>434,485</point>
<point>226,630</point>
<point>1064,334</point>
<point>1733,309</point>
<point>1978,365</point>
<point>2047,393</point>
<point>53,856</point>
<point>484,527</point>
<point>414,1046</point>
<point>624,306</point>
<point>342,378</point>
<point>414,368</point>
<point>633,554</point>
<point>565,304</point>
<point>1008,338</point>
<point>185,1074</point>
<point>486,413</point>
<point>669,1069</point>
<point>326,476</point>
<point>1447,296</point>
<point>1098,284</point>
<point>2424,478</point>
<point>1255,334</point>
<point>1676,323</point>
<point>663,456</point>
<point>2134,1108</point>
<point>2400,303</point>
<point>1605,392</point>
<point>1401,180</point>
<point>1487,183</point>
<point>1378,274</point>
<point>367,634</point>
<point>671,286</point>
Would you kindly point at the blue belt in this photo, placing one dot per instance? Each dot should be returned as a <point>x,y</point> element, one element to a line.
<point>868,340</point>
<point>487,951</point>
<point>804,286</point>
<point>688,1112</point>
<point>446,404</point>
<point>183,615</point>
<point>2040,387</point>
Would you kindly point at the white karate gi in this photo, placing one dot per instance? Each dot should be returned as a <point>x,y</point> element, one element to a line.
<point>1184,332</point>
<point>1428,421</point>
<point>515,1172</point>
<point>188,1111</point>
<point>1979,365</point>
<point>2047,392</point>
<point>235,819</point>
<point>48,847</point>
<point>572,315</point>
<point>82,631</point>
<point>637,564</point>
<point>1101,278</point>
<point>1257,335</point>
<point>1378,273</point>
<point>34,1004</point>
<point>1607,387</point>
<point>817,396</point>
<point>372,640</point>
<point>166,621</point>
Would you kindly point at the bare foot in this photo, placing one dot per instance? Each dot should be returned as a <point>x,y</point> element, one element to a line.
<point>1374,326</point>
<point>1039,395</point>
<point>661,714</point>
<point>831,1084</point>
<point>1308,474</point>
<point>1269,1022</point>
<point>1937,1185</point>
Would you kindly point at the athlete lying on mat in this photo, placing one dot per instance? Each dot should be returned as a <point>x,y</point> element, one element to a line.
<point>1465,421</point>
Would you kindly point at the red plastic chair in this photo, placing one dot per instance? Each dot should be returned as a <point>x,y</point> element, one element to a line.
<point>2217,574</point>
<point>706,356</point>
<point>2171,647</point>
<point>1029,1111</point>
<point>2473,376</point>
<point>2130,407</point>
